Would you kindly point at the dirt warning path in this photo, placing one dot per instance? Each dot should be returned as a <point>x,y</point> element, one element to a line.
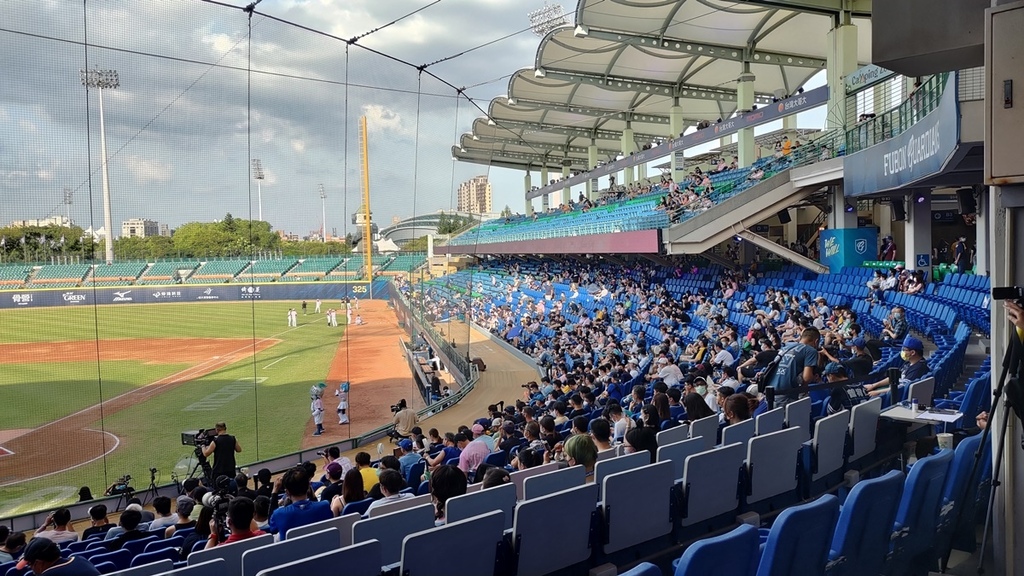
<point>68,442</point>
<point>370,358</point>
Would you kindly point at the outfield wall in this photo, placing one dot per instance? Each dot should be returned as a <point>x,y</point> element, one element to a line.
<point>177,293</point>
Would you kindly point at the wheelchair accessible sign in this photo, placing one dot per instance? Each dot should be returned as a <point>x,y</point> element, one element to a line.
<point>923,260</point>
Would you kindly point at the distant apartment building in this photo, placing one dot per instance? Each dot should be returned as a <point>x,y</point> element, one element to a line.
<point>165,230</point>
<point>139,228</point>
<point>475,195</point>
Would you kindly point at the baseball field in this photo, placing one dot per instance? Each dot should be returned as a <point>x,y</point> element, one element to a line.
<point>88,394</point>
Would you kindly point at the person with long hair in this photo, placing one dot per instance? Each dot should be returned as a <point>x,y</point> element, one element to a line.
<point>696,407</point>
<point>446,482</point>
<point>640,439</point>
<point>739,407</point>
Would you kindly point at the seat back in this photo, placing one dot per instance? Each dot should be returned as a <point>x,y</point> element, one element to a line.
<point>415,472</point>
<point>674,434</point>
<point>863,426</point>
<point>828,445</point>
<point>615,465</point>
<point>420,550</point>
<point>343,523</point>
<point>918,513</point>
<point>137,546</point>
<point>771,464</point>
<point>149,569</point>
<point>390,529</point>
<point>770,421</point>
<point>466,506</point>
<point>706,428</point>
<point>734,553</point>
<point>861,542</point>
<point>677,453</point>
<point>551,482</point>
<point>710,481</point>
<point>359,507</point>
<point>211,567</point>
<point>172,542</point>
<point>798,413</point>
<point>799,539</point>
<point>155,556</point>
<point>519,478</point>
<point>120,558</point>
<point>289,550</point>
<point>230,553</point>
<point>738,433</point>
<point>362,559</point>
<point>402,504</point>
<point>567,514</point>
<point>621,508</point>
<point>922,391</point>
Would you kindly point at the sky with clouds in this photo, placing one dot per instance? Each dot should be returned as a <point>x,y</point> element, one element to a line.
<point>189,114</point>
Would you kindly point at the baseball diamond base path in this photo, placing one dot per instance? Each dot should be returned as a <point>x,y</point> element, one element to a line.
<point>68,442</point>
<point>370,358</point>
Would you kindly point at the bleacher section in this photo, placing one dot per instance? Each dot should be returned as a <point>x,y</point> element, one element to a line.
<point>161,273</point>
<point>116,274</point>
<point>60,275</point>
<point>313,268</point>
<point>266,270</point>
<point>217,271</point>
<point>402,263</point>
<point>14,275</point>
<point>350,269</point>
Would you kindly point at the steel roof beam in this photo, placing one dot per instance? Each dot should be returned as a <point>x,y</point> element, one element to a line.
<point>721,52</point>
<point>540,146</point>
<point>856,8</point>
<point>618,84</point>
<point>594,112</point>
<point>529,127</point>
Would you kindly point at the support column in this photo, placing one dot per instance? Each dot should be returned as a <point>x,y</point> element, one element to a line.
<point>545,202</point>
<point>789,122</point>
<point>840,218</point>
<point>984,222</point>
<point>790,231</point>
<point>592,186</point>
<point>628,144</point>
<point>675,128</point>
<point>566,192</point>
<point>882,217</point>
<point>918,231</point>
<point>841,61</point>
<point>745,101</point>
<point>527,185</point>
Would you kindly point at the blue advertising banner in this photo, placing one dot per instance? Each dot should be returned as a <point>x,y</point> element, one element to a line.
<point>848,247</point>
<point>767,113</point>
<point>918,153</point>
<point>192,293</point>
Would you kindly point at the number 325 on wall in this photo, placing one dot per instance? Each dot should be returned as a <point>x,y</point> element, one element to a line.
<point>359,290</point>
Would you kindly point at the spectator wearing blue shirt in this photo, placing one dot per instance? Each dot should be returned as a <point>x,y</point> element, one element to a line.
<point>408,457</point>
<point>796,367</point>
<point>914,367</point>
<point>300,510</point>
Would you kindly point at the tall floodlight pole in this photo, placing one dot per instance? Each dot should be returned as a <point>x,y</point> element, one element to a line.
<point>68,192</point>
<point>323,208</point>
<point>104,80</point>
<point>259,175</point>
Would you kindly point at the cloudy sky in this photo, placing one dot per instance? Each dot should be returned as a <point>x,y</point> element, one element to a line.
<point>188,114</point>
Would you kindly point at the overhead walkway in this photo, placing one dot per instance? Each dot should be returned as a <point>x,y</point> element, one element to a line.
<point>737,215</point>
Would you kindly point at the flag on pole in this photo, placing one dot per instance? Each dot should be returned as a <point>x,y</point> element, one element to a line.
<point>42,239</point>
<point>3,242</point>
<point>61,239</point>
<point>22,240</point>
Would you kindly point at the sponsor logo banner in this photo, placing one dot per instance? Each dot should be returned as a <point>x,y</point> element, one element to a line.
<point>21,299</point>
<point>847,247</point>
<point>208,295</point>
<point>73,297</point>
<point>123,296</point>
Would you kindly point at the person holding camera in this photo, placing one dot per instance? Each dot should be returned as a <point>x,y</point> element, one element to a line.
<point>56,527</point>
<point>223,448</point>
<point>239,522</point>
<point>405,420</point>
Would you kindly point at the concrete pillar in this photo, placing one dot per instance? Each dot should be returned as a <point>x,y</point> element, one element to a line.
<point>840,218</point>
<point>566,192</point>
<point>628,144</point>
<point>675,128</point>
<point>745,101</point>
<point>841,61</point>
<point>790,234</point>
<point>918,231</point>
<point>725,140</point>
<point>527,185</point>
<point>545,202</point>
<point>592,186</point>
<point>789,122</point>
<point>882,217</point>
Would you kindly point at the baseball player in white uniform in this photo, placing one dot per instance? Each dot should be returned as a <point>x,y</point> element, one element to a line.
<point>316,309</point>
<point>293,317</point>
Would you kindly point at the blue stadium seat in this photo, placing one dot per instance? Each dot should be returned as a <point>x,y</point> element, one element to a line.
<point>290,550</point>
<point>420,550</point>
<point>798,542</point>
<point>343,523</point>
<point>136,547</point>
<point>121,559</point>
<point>534,523</point>
<point>918,514</point>
<point>157,567</point>
<point>735,553</point>
<point>155,556</point>
<point>390,529</point>
<point>359,507</point>
<point>172,542</point>
<point>466,506</point>
<point>861,541</point>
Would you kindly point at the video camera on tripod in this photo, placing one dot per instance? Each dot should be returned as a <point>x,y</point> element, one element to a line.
<point>121,486</point>
<point>198,439</point>
<point>218,500</point>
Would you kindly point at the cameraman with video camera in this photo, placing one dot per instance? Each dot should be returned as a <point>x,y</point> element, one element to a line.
<point>405,420</point>
<point>222,447</point>
<point>239,523</point>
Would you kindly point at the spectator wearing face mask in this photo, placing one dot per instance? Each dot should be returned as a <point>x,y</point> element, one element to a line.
<point>914,367</point>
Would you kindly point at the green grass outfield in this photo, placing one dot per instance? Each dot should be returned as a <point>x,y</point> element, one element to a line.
<point>263,398</point>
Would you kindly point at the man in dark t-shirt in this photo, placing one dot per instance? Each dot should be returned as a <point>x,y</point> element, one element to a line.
<point>223,449</point>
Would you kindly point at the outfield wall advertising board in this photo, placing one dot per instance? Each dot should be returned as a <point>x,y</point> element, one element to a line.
<point>123,295</point>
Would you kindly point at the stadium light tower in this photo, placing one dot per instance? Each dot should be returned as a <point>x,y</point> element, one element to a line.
<point>323,208</point>
<point>259,175</point>
<point>68,192</point>
<point>546,19</point>
<point>103,80</point>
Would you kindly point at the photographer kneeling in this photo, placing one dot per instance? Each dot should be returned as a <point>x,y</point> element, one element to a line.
<point>405,420</point>
<point>239,523</point>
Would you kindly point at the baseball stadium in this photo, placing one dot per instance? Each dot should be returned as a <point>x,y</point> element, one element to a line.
<point>500,288</point>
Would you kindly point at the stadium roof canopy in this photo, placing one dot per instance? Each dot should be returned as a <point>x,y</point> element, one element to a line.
<point>626,60</point>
